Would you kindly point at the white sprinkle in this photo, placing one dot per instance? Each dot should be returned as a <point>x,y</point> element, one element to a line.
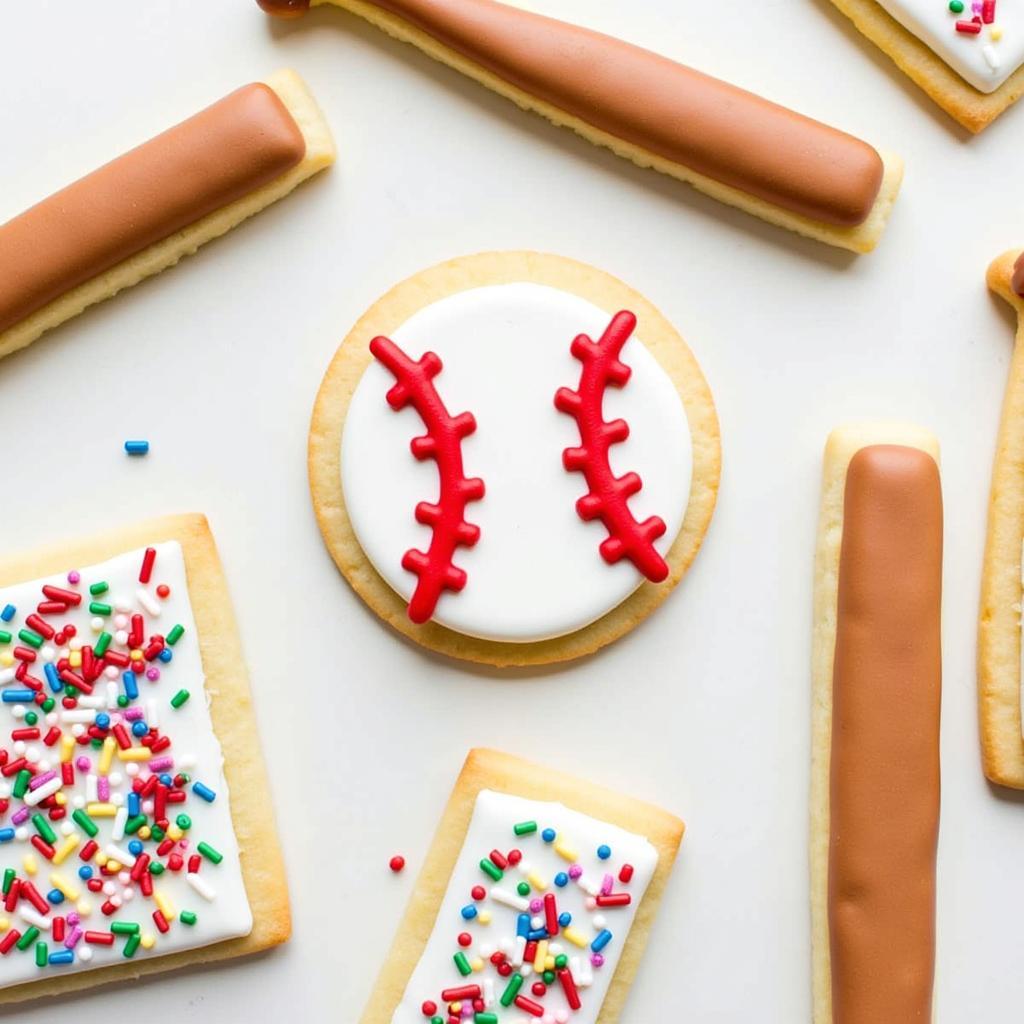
<point>519,951</point>
<point>151,714</point>
<point>488,992</point>
<point>120,820</point>
<point>29,915</point>
<point>6,676</point>
<point>40,793</point>
<point>121,855</point>
<point>509,899</point>
<point>991,57</point>
<point>91,790</point>
<point>84,953</point>
<point>149,602</point>
<point>111,695</point>
<point>201,886</point>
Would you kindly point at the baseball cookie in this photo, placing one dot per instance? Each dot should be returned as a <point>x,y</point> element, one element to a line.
<point>161,201</point>
<point>513,458</point>
<point>966,54</point>
<point>534,903</point>
<point>135,829</point>
<point>736,147</point>
<point>875,736</point>
<point>999,630</point>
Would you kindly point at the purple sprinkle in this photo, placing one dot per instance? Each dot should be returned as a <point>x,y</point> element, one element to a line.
<point>74,577</point>
<point>606,885</point>
<point>575,871</point>
<point>41,780</point>
<point>20,816</point>
<point>73,918</point>
<point>72,940</point>
<point>597,960</point>
<point>103,788</point>
<point>132,714</point>
<point>161,764</point>
<point>153,674</point>
<point>83,764</point>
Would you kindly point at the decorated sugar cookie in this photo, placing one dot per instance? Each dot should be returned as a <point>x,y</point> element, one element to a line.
<point>966,54</point>
<point>877,685</point>
<point>1000,674</point>
<point>735,146</point>
<point>135,833</point>
<point>534,903</point>
<point>513,458</point>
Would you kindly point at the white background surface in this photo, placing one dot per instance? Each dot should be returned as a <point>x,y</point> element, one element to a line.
<point>704,709</point>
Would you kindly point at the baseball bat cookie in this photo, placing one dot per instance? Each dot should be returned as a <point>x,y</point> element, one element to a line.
<point>513,458</point>
<point>160,201</point>
<point>1000,676</point>
<point>875,737</point>
<point>534,903</point>
<point>737,147</point>
<point>135,831</point>
<point>967,55</point>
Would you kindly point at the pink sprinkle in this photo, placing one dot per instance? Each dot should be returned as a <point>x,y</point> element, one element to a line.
<point>74,577</point>
<point>73,918</point>
<point>133,713</point>
<point>597,960</point>
<point>83,764</point>
<point>606,885</point>
<point>575,871</point>
<point>103,788</point>
<point>153,674</point>
<point>72,940</point>
<point>41,780</point>
<point>161,764</point>
<point>20,816</point>
<point>536,906</point>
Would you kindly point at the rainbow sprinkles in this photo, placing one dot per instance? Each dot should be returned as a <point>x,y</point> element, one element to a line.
<point>116,838</point>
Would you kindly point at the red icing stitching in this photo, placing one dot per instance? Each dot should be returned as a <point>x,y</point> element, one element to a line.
<point>434,568</point>
<point>608,496</point>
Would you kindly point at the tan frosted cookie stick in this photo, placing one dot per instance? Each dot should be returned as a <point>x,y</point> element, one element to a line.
<point>231,710</point>
<point>489,770</point>
<point>974,109</point>
<point>145,210</point>
<point>875,726</point>
<point>736,147</point>
<point>999,627</point>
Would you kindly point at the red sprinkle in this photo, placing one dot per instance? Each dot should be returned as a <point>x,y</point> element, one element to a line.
<point>971,28</point>
<point>455,995</point>
<point>99,938</point>
<point>396,863</point>
<point>9,940</point>
<point>988,11</point>
<point>147,565</point>
<point>615,899</point>
<point>465,939</point>
<point>532,1008</point>
<point>626,873</point>
<point>66,597</point>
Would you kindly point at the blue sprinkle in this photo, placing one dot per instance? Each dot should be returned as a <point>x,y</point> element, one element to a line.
<point>561,879</point>
<point>6,835</point>
<point>52,677</point>
<point>523,925</point>
<point>8,613</point>
<point>134,804</point>
<point>209,796</point>
<point>469,912</point>
<point>103,720</point>
<point>168,780</point>
<point>55,896</point>
<point>131,685</point>
<point>166,654</point>
<point>85,872</point>
<point>548,835</point>
<point>135,846</point>
<point>536,934</point>
<point>19,696</point>
<point>63,956</point>
<point>136,447</point>
<point>139,728</point>
<point>604,852</point>
<point>601,941</point>
<point>564,919</point>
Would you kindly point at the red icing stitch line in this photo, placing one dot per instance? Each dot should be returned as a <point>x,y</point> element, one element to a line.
<point>442,442</point>
<point>608,496</point>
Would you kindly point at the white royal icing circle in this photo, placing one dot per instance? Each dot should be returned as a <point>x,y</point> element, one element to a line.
<point>536,571</point>
<point>986,59</point>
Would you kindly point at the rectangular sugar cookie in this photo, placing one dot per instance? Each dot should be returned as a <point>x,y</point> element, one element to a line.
<point>70,807</point>
<point>502,804</point>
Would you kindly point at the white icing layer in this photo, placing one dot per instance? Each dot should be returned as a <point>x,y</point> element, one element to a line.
<point>984,60</point>
<point>491,827</point>
<point>536,571</point>
<point>194,750</point>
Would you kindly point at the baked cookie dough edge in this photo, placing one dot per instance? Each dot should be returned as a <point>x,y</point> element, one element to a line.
<point>234,722</point>
<point>861,238</point>
<point>999,618</point>
<point>504,773</point>
<point>973,109</point>
<point>320,153</point>
<point>352,358</point>
<point>843,443</point>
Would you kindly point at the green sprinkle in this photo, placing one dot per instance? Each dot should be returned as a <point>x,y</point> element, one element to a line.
<point>42,954</point>
<point>523,888</point>
<point>210,853</point>
<point>488,867</point>
<point>157,834</point>
<point>561,961</point>
<point>485,1018</point>
<point>436,1020</point>
<point>124,927</point>
<point>5,637</point>
<point>85,823</point>
<point>132,945</point>
<point>49,704</point>
<point>179,698</point>
<point>175,634</point>
<point>549,977</point>
<point>31,718</point>
<point>956,6</point>
<point>525,828</point>
<point>184,822</point>
<point>99,588</point>
<point>460,962</point>
<point>187,917</point>
<point>43,828</point>
<point>28,938</point>
<point>102,644</point>
<point>9,875</point>
<point>155,867</point>
<point>21,783</point>
<point>99,608</point>
<point>30,638</point>
<point>123,701</point>
<point>515,983</point>
<point>132,825</point>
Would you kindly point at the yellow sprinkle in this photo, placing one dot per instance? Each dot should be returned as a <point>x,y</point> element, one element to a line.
<point>6,659</point>
<point>84,907</point>
<point>65,849</point>
<point>477,964</point>
<point>574,936</point>
<point>145,832</point>
<point>164,905</point>
<point>60,883</point>
<point>484,917</point>
<point>67,748</point>
<point>996,33</point>
<point>31,864</point>
<point>101,810</point>
<point>114,865</point>
<point>132,753</point>
<point>100,857</point>
<point>60,798</point>
<point>549,964</point>
<point>75,659</point>
<point>4,924</point>
<point>565,851</point>
<point>106,755</point>
<point>136,655</point>
<point>148,941</point>
<point>536,881</point>
<point>542,956</point>
<point>174,833</point>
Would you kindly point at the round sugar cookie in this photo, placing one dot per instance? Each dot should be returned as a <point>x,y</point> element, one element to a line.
<point>513,458</point>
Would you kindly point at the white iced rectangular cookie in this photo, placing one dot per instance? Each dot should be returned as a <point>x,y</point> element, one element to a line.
<point>92,783</point>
